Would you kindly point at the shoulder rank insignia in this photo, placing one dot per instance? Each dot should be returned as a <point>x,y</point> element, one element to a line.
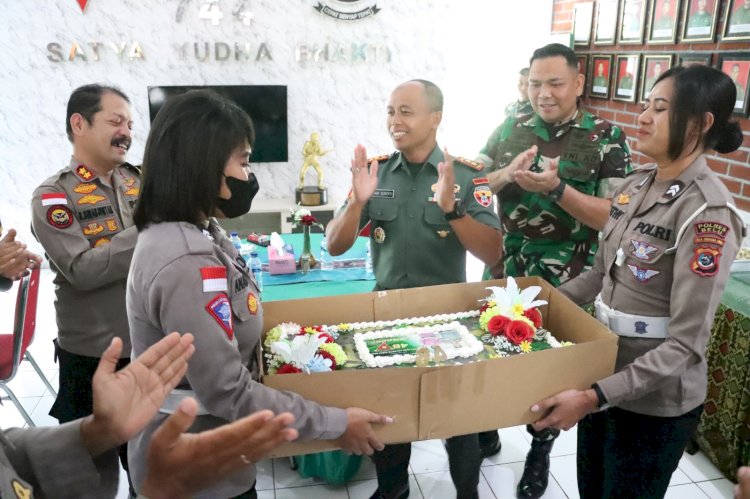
<point>379,159</point>
<point>84,173</point>
<point>474,165</point>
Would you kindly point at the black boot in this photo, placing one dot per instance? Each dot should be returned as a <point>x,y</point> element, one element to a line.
<point>489,443</point>
<point>402,494</point>
<point>536,471</point>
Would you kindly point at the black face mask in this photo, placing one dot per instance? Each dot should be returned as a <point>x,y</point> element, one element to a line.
<point>243,193</point>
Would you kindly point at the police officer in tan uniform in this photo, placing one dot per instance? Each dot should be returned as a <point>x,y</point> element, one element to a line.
<point>425,212</point>
<point>658,277</point>
<point>187,276</point>
<point>83,217</point>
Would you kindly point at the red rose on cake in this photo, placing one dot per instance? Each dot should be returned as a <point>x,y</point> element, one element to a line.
<point>519,331</point>
<point>497,325</point>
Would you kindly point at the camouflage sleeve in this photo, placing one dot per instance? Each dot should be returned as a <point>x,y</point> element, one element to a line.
<point>487,153</point>
<point>615,164</point>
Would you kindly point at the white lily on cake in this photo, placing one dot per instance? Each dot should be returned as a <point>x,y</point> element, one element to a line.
<point>511,301</point>
<point>301,352</point>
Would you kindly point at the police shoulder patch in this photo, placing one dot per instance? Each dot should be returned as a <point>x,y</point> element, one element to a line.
<point>221,310</point>
<point>59,216</point>
<point>474,165</point>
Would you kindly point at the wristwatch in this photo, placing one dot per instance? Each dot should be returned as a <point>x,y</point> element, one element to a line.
<point>556,193</point>
<point>459,210</point>
<point>602,405</point>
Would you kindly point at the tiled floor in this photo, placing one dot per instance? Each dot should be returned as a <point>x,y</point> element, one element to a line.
<point>696,477</point>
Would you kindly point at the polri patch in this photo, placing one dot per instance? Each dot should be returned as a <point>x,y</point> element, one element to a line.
<point>252,303</point>
<point>483,195</point>
<point>641,274</point>
<point>220,309</point>
<point>384,194</point>
<point>214,279</point>
<point>712,228</point>
<point>705,262</point>
<point>60,217</point>
<point>54,198</point>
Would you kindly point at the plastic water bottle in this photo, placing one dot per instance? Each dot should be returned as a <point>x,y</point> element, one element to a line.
<point>368,259</point>
<point>326,260</point>
<point>256,268</point>
<point>235,239</point>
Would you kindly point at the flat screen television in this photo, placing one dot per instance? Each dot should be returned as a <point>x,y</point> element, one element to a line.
<point>266,105</point>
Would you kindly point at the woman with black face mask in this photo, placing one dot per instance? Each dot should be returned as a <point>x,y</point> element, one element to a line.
<point>186,276</point>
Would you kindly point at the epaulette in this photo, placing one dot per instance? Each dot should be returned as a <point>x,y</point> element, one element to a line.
<point>642,169</point>
<point>379,159</point>
<point>713,190</point>
<point>474,165</point>
<point>136,169</point>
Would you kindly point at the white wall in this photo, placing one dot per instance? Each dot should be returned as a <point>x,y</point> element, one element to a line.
<point>471,48</point>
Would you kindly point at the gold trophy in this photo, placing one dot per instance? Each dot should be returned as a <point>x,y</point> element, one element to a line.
<point>310,195</point>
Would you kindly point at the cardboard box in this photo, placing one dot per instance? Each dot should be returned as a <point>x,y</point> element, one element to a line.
<point>285,264</point>
<point>443,401</point>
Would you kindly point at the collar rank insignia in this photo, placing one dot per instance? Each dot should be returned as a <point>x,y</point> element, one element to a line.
<point>643,275</point>
<point>84,173</point>
<point>642,251</point>
<point>443,234</point>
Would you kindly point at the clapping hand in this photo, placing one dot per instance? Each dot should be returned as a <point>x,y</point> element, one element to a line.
<point>126,400</point>
<point>180,464</point>
<point>364,181</point>
<point>15,259</point>
<point>445,195</point>
<point>543,182</point>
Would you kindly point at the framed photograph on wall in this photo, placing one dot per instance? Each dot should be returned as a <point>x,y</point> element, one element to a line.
<point>653,67</point>
<point>737,66</point>
<point>632,21</point>
<point>699,20</point>
<point>583,64</point>
<point>626,77</point>
<point>663,21</point>
<point>605,26</point>
<point>703,58</point>
<point>599,75</point>
<point>737,20</point>
<point>583,14</point>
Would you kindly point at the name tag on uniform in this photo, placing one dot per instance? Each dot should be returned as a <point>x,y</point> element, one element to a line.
<point>384,193</point>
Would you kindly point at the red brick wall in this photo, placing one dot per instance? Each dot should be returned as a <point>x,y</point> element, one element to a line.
<point>734,168</point>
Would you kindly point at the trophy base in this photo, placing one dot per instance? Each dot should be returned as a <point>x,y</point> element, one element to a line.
<point>311,196</point>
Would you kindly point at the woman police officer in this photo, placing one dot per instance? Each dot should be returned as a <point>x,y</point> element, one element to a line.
<point>186,276</point>
<point>657,279</point>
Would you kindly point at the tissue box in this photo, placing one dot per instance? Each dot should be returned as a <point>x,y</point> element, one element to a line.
<point>280,264</point>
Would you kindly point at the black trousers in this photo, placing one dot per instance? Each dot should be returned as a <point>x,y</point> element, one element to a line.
<point>392,466</point>
<point>625,454</point>
<point>75,397</point>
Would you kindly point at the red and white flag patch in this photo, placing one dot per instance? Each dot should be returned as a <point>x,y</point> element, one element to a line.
<point>214,279</point>
<point>53,198</point>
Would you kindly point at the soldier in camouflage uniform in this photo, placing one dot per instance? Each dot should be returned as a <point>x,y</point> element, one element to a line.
<point>522,106</point>
<point>554,171</point>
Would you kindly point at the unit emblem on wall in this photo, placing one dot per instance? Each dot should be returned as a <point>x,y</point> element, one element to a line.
<point>347,10</point>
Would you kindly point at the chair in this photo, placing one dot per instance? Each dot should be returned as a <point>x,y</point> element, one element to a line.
<point>13,347</point>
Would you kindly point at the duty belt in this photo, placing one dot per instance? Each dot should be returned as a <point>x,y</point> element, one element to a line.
<point>631,325</point>
<point>175,397</point>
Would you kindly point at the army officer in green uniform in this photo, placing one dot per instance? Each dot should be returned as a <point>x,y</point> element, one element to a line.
<point>554,171</point>
<point>425,210</point>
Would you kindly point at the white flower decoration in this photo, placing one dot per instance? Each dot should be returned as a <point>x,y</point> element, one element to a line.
<point>299,351</point>
<point>512,302</point>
